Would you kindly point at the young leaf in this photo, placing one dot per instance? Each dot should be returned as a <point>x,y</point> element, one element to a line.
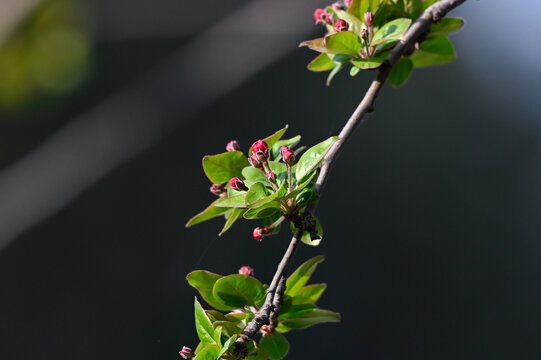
<point>275,345</point>
<point>222,167</point>
<point>214,316</point>
<point>259,354</point>
<point>321,63</point>
<point>316,316</point>
<point>237,201</point>
<point>204,328</point>
<point>354,71</point>
<point>211,212</point>
<point>235,215</point>
<point>400,72</point>
<point>435,51</point>
<point>306,238</point>
<point>309,294</point>
<point>372,63</point>
<point>300,277</point>
<point>254,175</point>
<point>204,281</point>
<point>428,3</point>
<point>393,30</point>
<point>227,345</point>
<point>296,311</point>
<point>229,328</point>
<point>255,193</point>
<point>445,27</point>
<point>266,210</point>
<point>344,43</point>
<point>315,44</point>
<point>306,197</point>
<point>210,352</point>
<point>359,7</point>
<point>218,334</point>
<point>312,158</point>
<point>238,291</point>
<point>272,139</point>
<point>333,73</point>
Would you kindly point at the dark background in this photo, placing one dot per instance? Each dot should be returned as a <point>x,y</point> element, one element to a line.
<point>431,216</point>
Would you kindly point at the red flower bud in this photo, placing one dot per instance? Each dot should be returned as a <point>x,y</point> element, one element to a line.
<point>237,184</point>
<point>337,6</point>
<point>255,162</point>
<point>186,352</point>
<point>217,189</point>
<point>364,33</point>
<point>329,18</point>
<point>341,25</point>
<point>287,155</point>
<point>258,233</point>
<point>317,15</point>
<point>261,150</point>
<point>246,270</point>
<point>233,146</point>
<point>369,17</point>
<point>348,2</point>
<point>271,176</point>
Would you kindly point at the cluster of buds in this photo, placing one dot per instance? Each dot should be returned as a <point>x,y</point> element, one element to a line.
<point>186,352</point>
<point>246,270</point>
<point>366,36</point>
<point>287,155</point>
<point>324,17</point>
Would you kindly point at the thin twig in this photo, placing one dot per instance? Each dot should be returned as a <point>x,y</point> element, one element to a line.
<point>415,33</point>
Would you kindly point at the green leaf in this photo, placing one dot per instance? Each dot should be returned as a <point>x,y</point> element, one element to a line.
<point>227,345</point>
<point>321,63</point>
<point>446,27</point>
<point>259,354</point>
<point>297,311</point>
<point>393,30</point>
<point>237,201</point>
<point>204,281</point>
<point>211,212</point>
<point>313,158</point>
<point>306,197</point>
<point>315,44</point>
<point>235,215</point>
<point>218,335</point>
<point>302,185</point>
<point>210,352</point>
<point>309,294</point>
<point>359,7</point>
<point>214,316</point>
<point>291,143</point>
<point>266,210</point>
<point>275,345</point>
<point>428,3</point>
<point>257,192</point>
<point>228,327</point>
<point>204,328</point>
<point>222,167</point>
<point>306,238</point>
<point>253,174</point>
<point>316,316</point>
<point>272,139</point>
<point>301,276</point>
<point>354,71</point>
<point>236,317</point>
<point>372,63</point>
<point>344,43</point>
<point>400,72</point>
<point>333,73</point>
<point>274,196</point>
<point>238,291</point>
<point>435,51</point>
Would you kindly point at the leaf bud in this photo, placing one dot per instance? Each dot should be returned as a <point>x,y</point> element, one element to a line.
<point>217,189</point>
<point>261,150</point>
<point>237,184</point>
<point>186,352</point>
<point>246,270</point>
<point>341,25</point>
<point>255,162</point>
<point>337,6</point>
<point>287,155</point>
<point>318,14</point>
<point>369,17</point>
<point>233,146</point>
<point>271,176</point>
<point>258,233</point>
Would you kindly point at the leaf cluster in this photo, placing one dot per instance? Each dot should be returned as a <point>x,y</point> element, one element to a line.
<point>236,299</point>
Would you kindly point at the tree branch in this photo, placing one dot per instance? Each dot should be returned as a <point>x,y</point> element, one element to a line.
<point>416,33</point>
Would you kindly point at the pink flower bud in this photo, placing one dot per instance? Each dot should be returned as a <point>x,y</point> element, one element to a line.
<point>237,184</point>
<point>317,15</point>
<point>258,233</point>
<point>369,18</point>
<point>348,2</point>
<point>337,6</point>
<point>341,25</point>
<point>287,155</point>
<point>217,189</point>
<point>233,146</point>
<point>255,162</point>
<point>261,150</point>
<point>186,352</point>
<point>271,176</point>
<point>329,18</point>
<point>246,270</point>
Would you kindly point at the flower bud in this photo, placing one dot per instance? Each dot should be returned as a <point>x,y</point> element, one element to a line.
<point>364,33</point>
<point>287,155</point>
<point>186,352</point>
<point>246,270</point>
<point>261,150</point>
<point>369,18</point>
<point>341,25</point>
<point>217,189</point>
<point>255,162</point>
<point>329,18</point>
<point>271,176</point>
<point>237,184</point>
<point>233,146</point>
<point>318,14</point>
<point>337,6</point>
<point>348,2</point>
<point>258,233</point>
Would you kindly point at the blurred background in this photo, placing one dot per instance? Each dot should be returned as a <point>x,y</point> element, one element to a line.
<point>431,218</point>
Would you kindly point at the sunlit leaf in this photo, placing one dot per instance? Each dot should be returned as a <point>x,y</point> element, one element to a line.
<point>393,30</point>
<point>238,291</point>
<point>204,281</point>
<point>435,51</point>
<point>301,276</point>
<point>343,43</point>
<point>313,158</point>
<point>222,167</point>
<point>209,213</point>
<point>275,345</point>
<point>204,328</point>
